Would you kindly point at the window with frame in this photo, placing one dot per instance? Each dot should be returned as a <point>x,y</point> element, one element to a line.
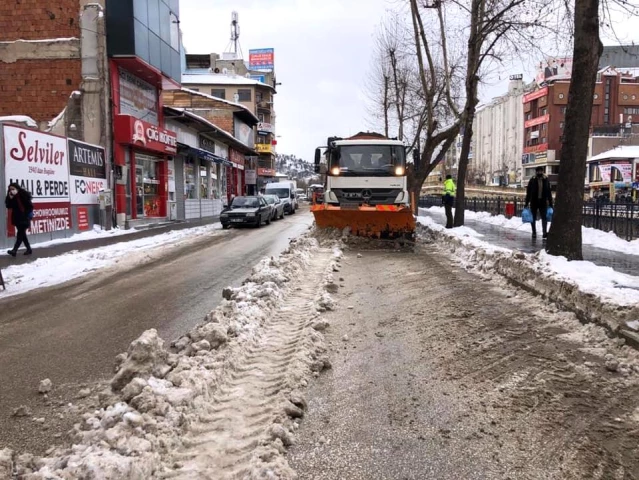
<point>219,93</point>
<point>259,97</point>
<point>244,94</point>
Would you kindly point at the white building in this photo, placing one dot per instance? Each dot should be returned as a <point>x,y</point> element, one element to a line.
<point>498,136</point>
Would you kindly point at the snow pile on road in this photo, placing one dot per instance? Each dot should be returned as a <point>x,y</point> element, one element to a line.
<point>161,396</point>
<point>594,292</point>
<point>46,272</point>
<point>590,236</point>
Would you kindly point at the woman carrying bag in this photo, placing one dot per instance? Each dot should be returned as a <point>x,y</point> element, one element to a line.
<point>19,202</point>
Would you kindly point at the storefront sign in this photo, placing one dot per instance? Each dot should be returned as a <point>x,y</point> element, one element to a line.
<point>264,127</point>
<point>83,218</point>
<point>259,78</point>
<point>136,132</point>
<point>243,132</point>
<point>542,147</point>
<point>251,177</point>
<point>537,121</point>
<point>237,159</point>
<point>605,170</point>
<point>542,92</point>
<point>38,162</point>
<point>87,172</point>
<point>206,144</point>
<point>541,157</point>
<point>626,171</point>
<point>138,98</point>
<point>263,148</point>
<point>50,217</point>
<point>262,59</point>
<point>266,172</point>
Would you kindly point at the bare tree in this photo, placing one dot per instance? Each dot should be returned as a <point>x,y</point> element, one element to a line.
<point>564,237</point>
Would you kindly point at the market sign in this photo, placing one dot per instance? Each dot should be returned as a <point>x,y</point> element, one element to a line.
<point>251,177</point>
<point>262,59</point>
<point>542,92</point>
<point>132,131</point>
<point>542,147</point>
<point>137,97</point>
<point>264,127</point>
<point>39,163</point>
<point>266,172</point>
<point>263,148</point>
<point>537,121</point>
<point>87,172</point>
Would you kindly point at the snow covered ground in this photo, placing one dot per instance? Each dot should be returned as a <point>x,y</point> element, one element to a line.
<point>46,272</point>
<point>550,275</point>
<point>225,400</point>
<point>590,236</point>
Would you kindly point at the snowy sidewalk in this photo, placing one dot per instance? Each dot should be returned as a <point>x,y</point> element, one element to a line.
<point>68,261</point>
<point>93,239</point>
<point>601,248</point>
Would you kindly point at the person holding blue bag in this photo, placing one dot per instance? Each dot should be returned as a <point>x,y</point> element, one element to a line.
<point>21,205</point>
<point>539,197</point>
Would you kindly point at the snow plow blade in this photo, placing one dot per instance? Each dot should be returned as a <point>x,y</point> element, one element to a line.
<point>381,221</point>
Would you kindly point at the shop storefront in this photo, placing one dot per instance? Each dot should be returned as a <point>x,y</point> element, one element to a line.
<point>64,177</point>
<point>236,179</point>
<point>142,153</point>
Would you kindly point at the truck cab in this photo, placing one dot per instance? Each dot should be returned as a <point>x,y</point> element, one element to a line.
<point>364,171</point>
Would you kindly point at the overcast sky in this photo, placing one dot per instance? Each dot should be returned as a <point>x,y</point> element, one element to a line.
<point>322,58</point>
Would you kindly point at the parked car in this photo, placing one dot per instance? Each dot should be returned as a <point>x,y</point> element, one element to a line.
<point>277,206</point>
<point>249,210</point>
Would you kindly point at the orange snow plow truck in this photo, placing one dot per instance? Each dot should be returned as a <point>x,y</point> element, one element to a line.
<point>365,187</point>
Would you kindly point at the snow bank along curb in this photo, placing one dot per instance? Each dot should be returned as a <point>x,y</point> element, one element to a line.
<point>158,393</point>
<point>526,271</point>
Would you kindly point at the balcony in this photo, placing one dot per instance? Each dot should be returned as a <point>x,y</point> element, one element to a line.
<point>265,106</point>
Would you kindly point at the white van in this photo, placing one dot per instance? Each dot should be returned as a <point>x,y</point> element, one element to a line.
<point>286,191</point>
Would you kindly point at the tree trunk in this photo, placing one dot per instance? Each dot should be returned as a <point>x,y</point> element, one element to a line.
<point>564,237</point>
<point>472,81</point>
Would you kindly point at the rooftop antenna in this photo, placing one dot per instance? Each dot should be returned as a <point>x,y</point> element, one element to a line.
<point>234,45</point>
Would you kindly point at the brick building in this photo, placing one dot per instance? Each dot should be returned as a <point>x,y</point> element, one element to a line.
<point>616,101</point>
<point>53,64</point>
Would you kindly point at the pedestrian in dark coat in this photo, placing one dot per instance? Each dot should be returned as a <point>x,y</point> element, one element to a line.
<point>539,197</point>
<point>19,202</point>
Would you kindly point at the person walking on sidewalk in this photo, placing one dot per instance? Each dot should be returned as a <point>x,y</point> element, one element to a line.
<point>19,202</point>
<point>539,197</point>
<point>449,199</point>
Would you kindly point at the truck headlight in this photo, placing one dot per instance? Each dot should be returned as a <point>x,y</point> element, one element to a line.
<point>401,198</point>
<point>399,171</point>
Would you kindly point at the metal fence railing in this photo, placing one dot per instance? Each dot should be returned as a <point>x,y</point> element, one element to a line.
<point>620,218</point>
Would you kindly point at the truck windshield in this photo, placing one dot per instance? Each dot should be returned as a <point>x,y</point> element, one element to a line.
<point>280,192</point>
<point>368,160</point>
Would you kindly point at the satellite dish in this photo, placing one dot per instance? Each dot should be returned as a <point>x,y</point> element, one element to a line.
<point>236,97</point>
<point>248,75</point>
<point>217,70</point>
<point>225,71</point>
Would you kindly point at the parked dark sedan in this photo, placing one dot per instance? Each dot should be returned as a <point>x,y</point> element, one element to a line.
<point>251,211</point>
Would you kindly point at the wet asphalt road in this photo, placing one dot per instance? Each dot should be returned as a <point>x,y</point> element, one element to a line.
<point>71,333</point>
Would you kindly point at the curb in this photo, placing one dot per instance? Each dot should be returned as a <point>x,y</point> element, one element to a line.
<point>517,268</point>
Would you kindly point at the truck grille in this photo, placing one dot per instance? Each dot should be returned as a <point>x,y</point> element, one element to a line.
<point>371,196</point>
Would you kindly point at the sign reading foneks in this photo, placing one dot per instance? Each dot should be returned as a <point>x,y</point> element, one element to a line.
<point>87,172</point>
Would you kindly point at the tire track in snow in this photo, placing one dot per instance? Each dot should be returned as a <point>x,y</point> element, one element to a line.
<point>223,443</point>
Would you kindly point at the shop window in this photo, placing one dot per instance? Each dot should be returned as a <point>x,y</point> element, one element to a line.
<point>219,93</point>
<point>244,95</point>
<point>190,192</point>
<point>147,180</point>
<point>204,182</point>
<point>259,97</point>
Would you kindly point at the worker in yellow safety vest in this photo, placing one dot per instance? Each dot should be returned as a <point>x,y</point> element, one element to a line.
<point>448,198</point>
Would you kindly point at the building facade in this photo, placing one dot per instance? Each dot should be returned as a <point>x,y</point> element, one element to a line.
<point>497,136</point>
<point>230,78</point>
<point>615,102</point>
<point>144,50</point>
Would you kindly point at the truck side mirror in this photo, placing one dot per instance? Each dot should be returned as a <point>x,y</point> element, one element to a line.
<point>317,160</point>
